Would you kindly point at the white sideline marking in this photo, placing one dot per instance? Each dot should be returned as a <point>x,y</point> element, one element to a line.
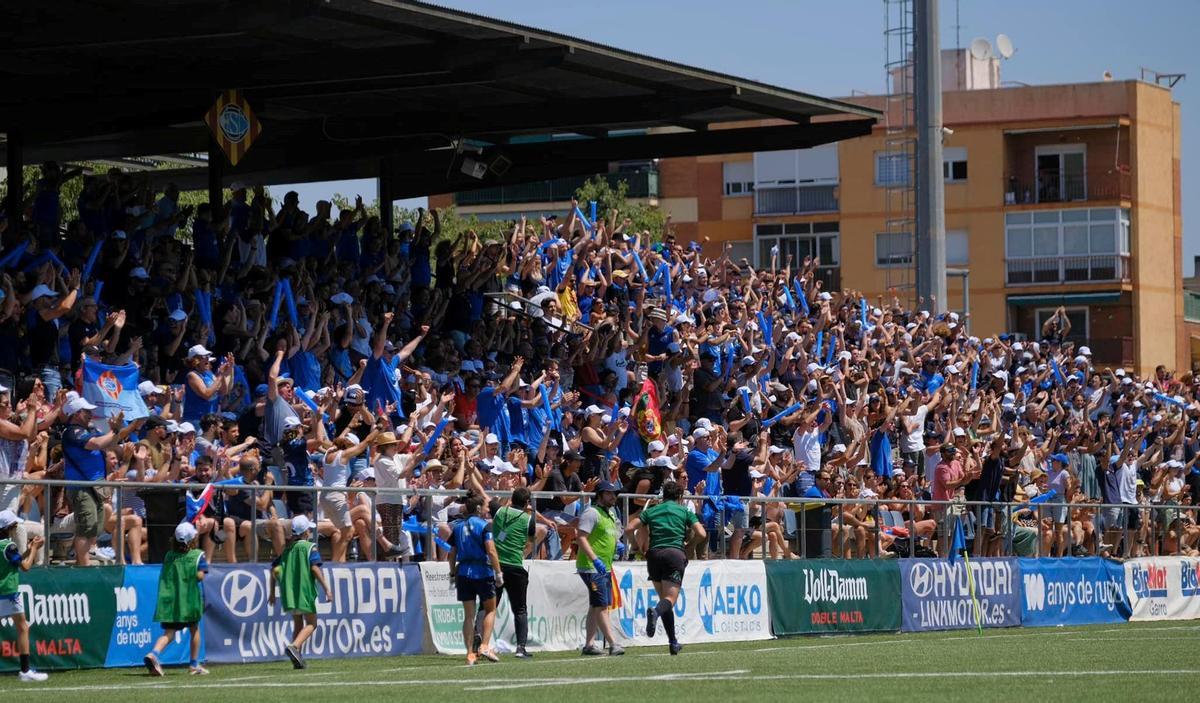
<point>738,675</point>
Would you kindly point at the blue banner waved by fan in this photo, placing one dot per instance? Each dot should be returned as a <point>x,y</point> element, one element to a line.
<point>113,389</point>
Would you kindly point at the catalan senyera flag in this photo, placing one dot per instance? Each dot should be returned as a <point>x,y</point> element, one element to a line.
<point>233,124</point>
<point>646,413</point>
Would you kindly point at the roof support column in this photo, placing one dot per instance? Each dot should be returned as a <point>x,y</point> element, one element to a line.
<point>215,197</point>
<point>15,162</point>
<point>386,190</point>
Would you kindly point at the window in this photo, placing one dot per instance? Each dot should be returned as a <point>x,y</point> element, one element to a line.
<point>893,249</point>
<point>1061,172</point>
<point>1079,324</point>
<point>891,168</point>
<point>1053,246</point>
<point>956,248</point>
<point>739,177</point>
<point>818,239</point>
<point>954,164</point>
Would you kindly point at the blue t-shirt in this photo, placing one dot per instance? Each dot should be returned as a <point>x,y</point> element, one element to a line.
<point>81,463</point>
<point>881,454</point>
<point>295,462</point>
<point>468,537</point>
<point>697,465</point>
<point>380,384</point>
<point>195,406</point>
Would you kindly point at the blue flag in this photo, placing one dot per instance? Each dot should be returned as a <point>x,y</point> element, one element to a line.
<point>113,389</point>
<point>959,543</point>
<point>801,297</point>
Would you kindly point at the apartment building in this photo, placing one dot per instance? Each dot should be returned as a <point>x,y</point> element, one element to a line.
<point>1056,195</point>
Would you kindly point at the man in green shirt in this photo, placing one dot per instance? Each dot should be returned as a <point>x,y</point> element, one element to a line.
<point>298,571</point>
<point>598,528</point>
<point>180,598</point>
<point>515,530</point>
<point>12,563</point>
<point>668,524</point>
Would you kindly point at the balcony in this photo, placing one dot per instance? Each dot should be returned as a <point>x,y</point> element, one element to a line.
<point>1104,268</point>
<point>642,184</point>
<point>794,200</point>
<point>1054,186</point>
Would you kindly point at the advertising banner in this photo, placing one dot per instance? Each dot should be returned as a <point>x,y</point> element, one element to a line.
<point>70,613</point>
<point>720,601</point>
<point>375,610</point>
<point>833,595</point>
<point>936,596</point>
<point>1163,588</point>
<point>134,630</point>
<point>1082,591</point>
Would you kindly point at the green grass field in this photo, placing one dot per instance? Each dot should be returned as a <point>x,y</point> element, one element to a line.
<point>1136,661</point>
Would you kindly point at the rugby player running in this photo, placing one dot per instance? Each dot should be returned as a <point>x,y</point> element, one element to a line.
<point>668,524</point>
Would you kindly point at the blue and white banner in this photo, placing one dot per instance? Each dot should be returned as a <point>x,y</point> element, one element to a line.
<point>375,610</point>
<point>935,594</point>
<point>134,630</point>
<point>1073,591</point>
<point>113,389</point>
<point>1163,588</point>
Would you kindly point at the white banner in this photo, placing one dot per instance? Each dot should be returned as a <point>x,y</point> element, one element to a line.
<point>720,601</point>
<point>1163,588</point>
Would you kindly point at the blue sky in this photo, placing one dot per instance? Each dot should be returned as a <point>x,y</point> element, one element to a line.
<point>831,48</point>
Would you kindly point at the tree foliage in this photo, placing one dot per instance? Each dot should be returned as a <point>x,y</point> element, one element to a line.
<point>644,217</point>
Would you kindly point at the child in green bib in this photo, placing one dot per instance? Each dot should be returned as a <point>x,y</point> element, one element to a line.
<point>180,599</point>
<point>12,563</point>
<point>298,571</point>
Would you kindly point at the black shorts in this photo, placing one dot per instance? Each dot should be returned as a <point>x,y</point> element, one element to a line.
<point>470,589</point>
<point>179,626</point>
<point>666,564</point>
<point>299,503</point>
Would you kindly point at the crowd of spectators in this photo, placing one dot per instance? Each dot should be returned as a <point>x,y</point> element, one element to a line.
<point>410,359</point>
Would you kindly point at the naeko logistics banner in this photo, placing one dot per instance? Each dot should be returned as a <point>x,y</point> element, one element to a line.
<point>720,601</point>
<point>1163,588</point>
<point>935,594</point>
<point>833,595</point>
<point>374,610</point>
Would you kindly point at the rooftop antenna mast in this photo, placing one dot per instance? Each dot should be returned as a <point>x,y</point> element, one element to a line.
<point>894,248</point>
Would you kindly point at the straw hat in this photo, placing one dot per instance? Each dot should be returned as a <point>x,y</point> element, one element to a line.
<point>385,439</point>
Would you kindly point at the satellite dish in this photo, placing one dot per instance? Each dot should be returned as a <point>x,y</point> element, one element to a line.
<point>981,49</point>
<point>1004,46</point>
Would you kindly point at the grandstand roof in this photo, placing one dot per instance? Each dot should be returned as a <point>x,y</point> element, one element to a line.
<point>363,88</point>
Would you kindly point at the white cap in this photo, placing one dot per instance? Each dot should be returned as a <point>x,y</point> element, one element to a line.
<point>777,450</point>
<point>825,296</point>
<point>1085,350</point>
<point>594,410</point>
<point>139,272</point>
<point>77,405</point>
<point>189,428</point>
<point>755,473</point>
<point>291,421</point>
<point>960,432</point>
<point>838,449</point>
<point>197,350</point>
<point>491,439</point>
<point>664,461</point>
<point>7,519</point>
<point>185,532</point>
<point>1119,372</point>
<point>705,423</point>
<point>656,446</point>
<point>699,433</point>
<point>351,438</point>
<point>148,388</point>
<point>42,290</point>
<point>301,524</point>
<point>178,315</point>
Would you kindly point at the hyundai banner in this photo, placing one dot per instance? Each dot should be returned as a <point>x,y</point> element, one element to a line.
<point>936,594</point>
<point>374,610</point>
<point>1163,588</point>
<point>1081,591</point>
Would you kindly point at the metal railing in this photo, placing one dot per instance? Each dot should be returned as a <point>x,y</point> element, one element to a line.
<point>1059,187</point>
<point>1067,269</point>
<point>642,184</point>
<point>800,527</point>
<point>795,199</point>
